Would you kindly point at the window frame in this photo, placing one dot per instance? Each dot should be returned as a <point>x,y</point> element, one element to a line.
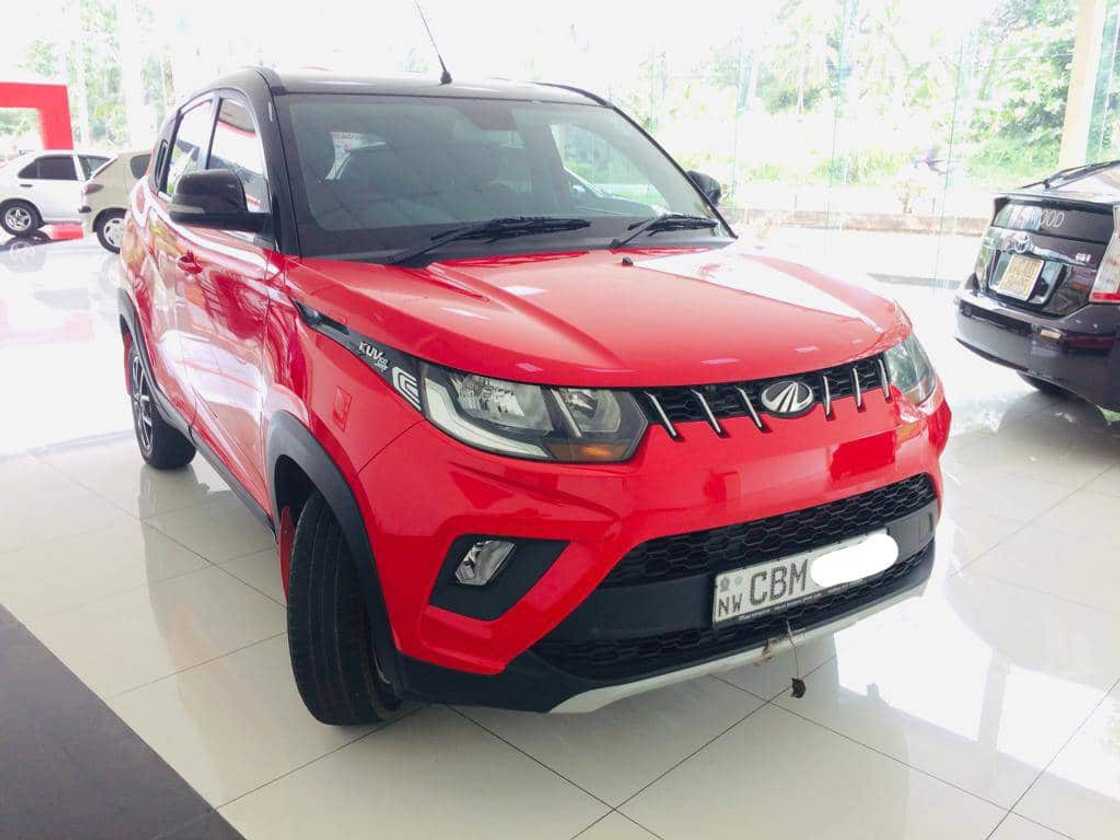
<point>239,98</point>
<point>207,99</point>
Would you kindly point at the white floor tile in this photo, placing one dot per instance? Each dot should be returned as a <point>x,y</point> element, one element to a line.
<point>233,724</point>
<point>28,478</point>
<point>432,774</point>
<point>261,571</point>
<point>614,826</point>
<point>1042,456</point>
<point>963,534</point>
<point>220,530</point>
<point>1015,827</point>
<point>1107,482</point>
<point>619,749</point>
<point>1079,794</point>
<point>1081,513</point>
<point>978,684</point>
<point>36,515</point>
<point>1084,568</point>
<point>776,775</point>
<point>142,635</point>
<point>1022,498</point>
<point>116,471</point>
<point>69,572</point>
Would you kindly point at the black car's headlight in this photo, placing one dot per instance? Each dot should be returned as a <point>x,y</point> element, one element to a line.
<point>910,370</point>
<point>580,425</point>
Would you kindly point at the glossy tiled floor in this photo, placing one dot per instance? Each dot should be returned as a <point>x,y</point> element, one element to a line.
<point>988,707</point>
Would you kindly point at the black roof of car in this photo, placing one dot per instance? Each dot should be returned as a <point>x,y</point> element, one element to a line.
<point>322,81</point>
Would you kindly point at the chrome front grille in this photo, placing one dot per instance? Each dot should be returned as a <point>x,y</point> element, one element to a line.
<point>713,403</point>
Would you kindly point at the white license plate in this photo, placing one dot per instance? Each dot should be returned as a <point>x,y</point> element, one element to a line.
<point>764,586</point>
<point>1019,277</point>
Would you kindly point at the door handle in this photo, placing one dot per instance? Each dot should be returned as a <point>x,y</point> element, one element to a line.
<point>27,186</point>
<point>188,264</point>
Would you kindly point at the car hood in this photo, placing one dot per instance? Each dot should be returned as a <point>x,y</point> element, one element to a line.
<point>651,318</point>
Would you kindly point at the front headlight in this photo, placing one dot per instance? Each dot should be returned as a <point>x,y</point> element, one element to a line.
<point>579,425</point>
<point>910,370</point>
<point>531,421</point>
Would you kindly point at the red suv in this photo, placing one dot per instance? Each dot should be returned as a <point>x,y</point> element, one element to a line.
<point>531,429</point>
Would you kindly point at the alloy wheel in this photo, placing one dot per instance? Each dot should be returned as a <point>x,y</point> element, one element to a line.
<point>141,403</point>
<point>114,231</point>
<point>17,219</point>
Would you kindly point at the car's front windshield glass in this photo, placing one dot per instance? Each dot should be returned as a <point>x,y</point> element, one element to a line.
<point>375,175</point>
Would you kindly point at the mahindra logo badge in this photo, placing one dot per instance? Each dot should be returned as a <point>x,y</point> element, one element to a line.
<point>787,398</point>
<point>1021,243</point>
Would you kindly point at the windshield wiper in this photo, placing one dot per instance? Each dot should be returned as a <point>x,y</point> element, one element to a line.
<point>666,221</point>
<point>1064,176</point>
<point>491,231</point>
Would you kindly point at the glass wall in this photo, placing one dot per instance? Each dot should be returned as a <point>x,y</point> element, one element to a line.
<point>871,133</point>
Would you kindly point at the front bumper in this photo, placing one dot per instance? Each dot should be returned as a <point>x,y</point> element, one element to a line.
<point>534,683</point>
<point>1079,352</point>
<point>424,491</point>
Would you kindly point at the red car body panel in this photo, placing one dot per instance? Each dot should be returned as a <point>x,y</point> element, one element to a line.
<point>671,318</point>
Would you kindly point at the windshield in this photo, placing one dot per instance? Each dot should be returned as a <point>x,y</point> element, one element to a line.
<point>374,175</point>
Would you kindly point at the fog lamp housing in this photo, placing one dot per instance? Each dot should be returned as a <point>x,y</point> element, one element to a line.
<point>483,561</point>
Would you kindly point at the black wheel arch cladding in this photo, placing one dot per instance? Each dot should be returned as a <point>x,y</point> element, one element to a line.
<point>289,438</point>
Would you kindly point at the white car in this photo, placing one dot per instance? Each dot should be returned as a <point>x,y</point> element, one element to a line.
<point>44,188</point>
<point>105,197</point>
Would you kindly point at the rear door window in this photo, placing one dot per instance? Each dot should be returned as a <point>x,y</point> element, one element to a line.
<point>91,163</point>
<point>57,168</point>
<point>138,165</point>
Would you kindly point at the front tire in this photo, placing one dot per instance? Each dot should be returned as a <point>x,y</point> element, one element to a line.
<point>1044,387</point>
<point>328,628</point>
<point>19,218</point>
<point>161,444</point>
<point>110,230</point>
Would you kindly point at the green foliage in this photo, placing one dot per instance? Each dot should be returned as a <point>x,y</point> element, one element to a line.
<point>1007,161</point>
<point>1018,126</point>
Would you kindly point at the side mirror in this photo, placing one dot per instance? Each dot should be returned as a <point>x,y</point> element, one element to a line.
<point>707,184</point>
<point>214,198</point>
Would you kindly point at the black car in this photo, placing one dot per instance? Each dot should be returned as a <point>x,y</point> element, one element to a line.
<point>1044,298</point>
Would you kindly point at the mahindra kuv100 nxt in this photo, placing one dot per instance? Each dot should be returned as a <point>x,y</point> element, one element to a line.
<point>530,428</point>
